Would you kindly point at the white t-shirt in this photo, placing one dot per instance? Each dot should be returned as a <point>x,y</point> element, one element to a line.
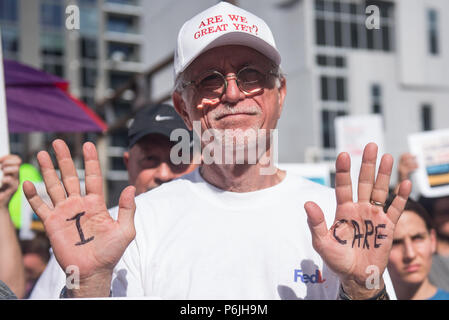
<point>195,241</point>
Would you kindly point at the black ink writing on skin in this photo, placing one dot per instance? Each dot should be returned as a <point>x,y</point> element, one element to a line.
<point>370,230</point>
<point>357,234</point>
<point>368,233</point>
<point>378,235</point>
<point>335,231</point>
<point>77,219</point>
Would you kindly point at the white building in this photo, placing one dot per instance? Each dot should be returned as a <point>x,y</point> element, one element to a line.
<point>101,56</point>
<point>335,65</point>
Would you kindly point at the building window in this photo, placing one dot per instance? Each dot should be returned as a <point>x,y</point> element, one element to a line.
<point>52,44</point>
<point>119,138</point>
<point>330,61</point>
<point>128,2</point>
<point>321,60</point>
<point>88,48</point>
<point>54,68</point>
<point>376,99</point>
<point>10,41</point>
<point>8,10</point>
<point>432,21</point>
<point>118,23</point>
<point>52,15</point>
<point>89,77</point>
<point>342,24</point>
<point>122,51</point>
<point>341,88</point>
<point>328,126</point>
<point>89,21</point>
<point>87,2</point>
<point>333,88</point>
<point>320,32</point>
<point>426,117</point>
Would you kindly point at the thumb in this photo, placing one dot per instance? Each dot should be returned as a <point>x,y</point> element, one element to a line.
<point>126,210</point>
<point>317,224</point>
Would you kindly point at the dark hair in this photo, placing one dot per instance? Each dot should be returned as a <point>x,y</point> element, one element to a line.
<point>416,207</point>
<point>39,245</point>
<point>429,203</point>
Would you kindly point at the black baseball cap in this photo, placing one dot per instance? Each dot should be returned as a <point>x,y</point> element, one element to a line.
<point>154,119</point>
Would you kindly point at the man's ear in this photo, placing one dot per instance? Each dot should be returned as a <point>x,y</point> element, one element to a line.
<point>282,93</point>
<point>180,108</point>
<point>433,240</point>
<point>126,159</point>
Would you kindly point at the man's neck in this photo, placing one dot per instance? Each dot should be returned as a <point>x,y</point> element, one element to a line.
<point>422,291</point>
<point>239,177</point>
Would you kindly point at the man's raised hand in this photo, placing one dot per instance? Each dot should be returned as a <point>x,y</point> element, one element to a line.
<point>80,229</point>
<point>362,234</point>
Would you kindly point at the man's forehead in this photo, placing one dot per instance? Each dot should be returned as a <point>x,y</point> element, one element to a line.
<point>410,223</point>
<point>152,140</point>
<point>233,55</point>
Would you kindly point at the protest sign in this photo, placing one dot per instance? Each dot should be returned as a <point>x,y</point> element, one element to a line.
<point>431,149</point>
<point>353,133</point>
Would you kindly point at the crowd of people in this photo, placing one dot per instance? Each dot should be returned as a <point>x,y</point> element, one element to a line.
<point>224,231</point>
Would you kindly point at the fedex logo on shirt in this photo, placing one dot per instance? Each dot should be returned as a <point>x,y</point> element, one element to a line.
<point>309,278</point>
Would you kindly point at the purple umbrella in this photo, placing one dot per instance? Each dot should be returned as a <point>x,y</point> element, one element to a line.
<point>38,101</point>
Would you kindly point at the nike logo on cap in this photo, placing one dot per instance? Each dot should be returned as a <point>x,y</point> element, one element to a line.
<point>162,118</point>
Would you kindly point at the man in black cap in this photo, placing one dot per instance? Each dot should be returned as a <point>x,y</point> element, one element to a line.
<point>148,163</point>
<point>148,158</point>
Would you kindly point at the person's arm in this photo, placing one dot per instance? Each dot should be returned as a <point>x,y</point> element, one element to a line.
<point>11,265</point>
<point>358,243</point>
<point>407,164</point>
<point>81,231</point>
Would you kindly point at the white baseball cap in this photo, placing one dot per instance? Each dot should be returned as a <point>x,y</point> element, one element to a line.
<point>220,25</point>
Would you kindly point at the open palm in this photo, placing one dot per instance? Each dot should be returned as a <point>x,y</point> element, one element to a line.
<point>80,229</point>
<point>362,234</point>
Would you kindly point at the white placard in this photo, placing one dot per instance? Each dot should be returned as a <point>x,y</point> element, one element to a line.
<point>431,149</point>
<point>353,133</point>
<point>317,172</point>
<point>4,136</point>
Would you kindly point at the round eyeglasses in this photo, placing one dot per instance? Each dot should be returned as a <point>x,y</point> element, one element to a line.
<point>213,84</point>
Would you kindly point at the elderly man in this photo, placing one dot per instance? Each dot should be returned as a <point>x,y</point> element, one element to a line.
<point>149,166</point>
<point>225,231</point>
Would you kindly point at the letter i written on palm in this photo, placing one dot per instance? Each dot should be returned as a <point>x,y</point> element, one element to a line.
<point>80,229</point>
<point>362,234</point>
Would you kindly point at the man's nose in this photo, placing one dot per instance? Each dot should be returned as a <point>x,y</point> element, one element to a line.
<point>233,93</point>
<point>409,250</point>
<point>164,173</point>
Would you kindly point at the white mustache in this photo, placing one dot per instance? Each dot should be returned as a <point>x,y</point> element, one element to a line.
<point>219,113</point>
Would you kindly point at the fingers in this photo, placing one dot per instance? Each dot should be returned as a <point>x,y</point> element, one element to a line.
<point>52,183</point>
<point>10,166</point>
<point>408,160</point>
<point>36,203</point>
<point>380,190</point>
<point>397,206</point>
<point>407,164</point>
<point>10,160</point>
<point>316,222</point>
<point>127,208</point>
<point>343,184</point>
<point>93,177</point>
<point>367,173</point>
<point>67,167</point>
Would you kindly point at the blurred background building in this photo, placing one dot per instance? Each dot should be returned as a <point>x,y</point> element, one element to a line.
<point>121,59</point>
